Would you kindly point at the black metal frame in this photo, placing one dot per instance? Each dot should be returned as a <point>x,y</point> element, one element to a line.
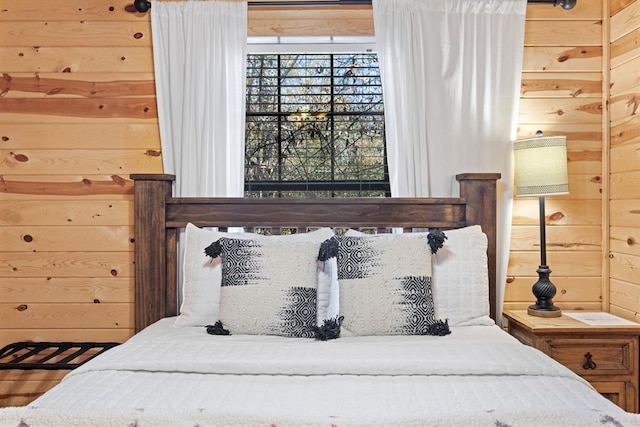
<point>27,355</point>
<point>329,185</point>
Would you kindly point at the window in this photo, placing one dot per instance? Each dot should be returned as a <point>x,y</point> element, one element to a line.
<point>315,126</point>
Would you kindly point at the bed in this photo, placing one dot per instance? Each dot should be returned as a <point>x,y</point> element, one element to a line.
<point>308,333</point>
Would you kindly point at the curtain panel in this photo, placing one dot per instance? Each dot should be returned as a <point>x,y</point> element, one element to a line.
<point>199,50</point>
<point>451,74</point>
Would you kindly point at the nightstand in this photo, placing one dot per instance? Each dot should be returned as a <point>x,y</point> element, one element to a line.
<point>606,356</point>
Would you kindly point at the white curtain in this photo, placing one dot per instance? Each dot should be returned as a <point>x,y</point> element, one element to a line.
<point>199,50</point>
<point>451,72</point>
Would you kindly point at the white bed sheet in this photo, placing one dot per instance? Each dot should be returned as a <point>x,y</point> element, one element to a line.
<point>477,375</point>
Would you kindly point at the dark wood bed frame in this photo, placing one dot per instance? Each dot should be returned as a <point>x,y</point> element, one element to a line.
<point>158,218</point>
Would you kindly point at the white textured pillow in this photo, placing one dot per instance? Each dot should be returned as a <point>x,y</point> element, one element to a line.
<point>269,286</point>
<point>461,278</point>
<point>202,276</point>
<point>385,284</point>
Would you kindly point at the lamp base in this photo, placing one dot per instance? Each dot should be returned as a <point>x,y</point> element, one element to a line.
<point>544,291</point>
<point>537,312</point>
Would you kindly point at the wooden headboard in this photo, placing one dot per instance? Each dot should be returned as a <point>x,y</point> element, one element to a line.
<point>158,218</point>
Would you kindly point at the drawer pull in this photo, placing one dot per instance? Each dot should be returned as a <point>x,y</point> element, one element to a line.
<point>588,362</point>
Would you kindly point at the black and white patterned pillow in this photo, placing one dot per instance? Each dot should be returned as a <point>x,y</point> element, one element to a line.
<point>385,284</point>
<point>269,286</point>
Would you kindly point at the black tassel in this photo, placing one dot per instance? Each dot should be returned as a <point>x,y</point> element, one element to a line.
<point>439,328</point>
<point>217,329</point>
<point>328,249</point>
<point>436,240</point>
<point>213,250</point>
<point>329,330</point>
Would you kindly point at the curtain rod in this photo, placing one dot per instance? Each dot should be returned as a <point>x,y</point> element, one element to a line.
<point>144,5</point>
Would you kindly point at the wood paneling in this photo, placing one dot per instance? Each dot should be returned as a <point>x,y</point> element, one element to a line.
<point>557,85</point>
<point>625,240</point>
<point>94,290</point>
<point>569,289</point>
<point>55,162</point>
<point>85,85</point>
<point>86,239</point>
<point>563,58</point>
<point>24,59</point>
<point>68,315</point>
<point>570,238</point>
<point>626,20</point>
<point>66,264</point>
<point>132,136</point>
<point>67,212</point>
<point>78,115</point>
<point>561,33</point>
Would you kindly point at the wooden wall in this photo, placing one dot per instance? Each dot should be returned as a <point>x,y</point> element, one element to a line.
<point>624,160</point>
<point>562,94</point>
<point>78,115</point>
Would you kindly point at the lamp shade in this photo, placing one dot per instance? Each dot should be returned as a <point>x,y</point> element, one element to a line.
<point>540,166</point>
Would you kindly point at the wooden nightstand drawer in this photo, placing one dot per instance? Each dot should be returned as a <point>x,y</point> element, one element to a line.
<point>605,355</point>
<point>593,356</point>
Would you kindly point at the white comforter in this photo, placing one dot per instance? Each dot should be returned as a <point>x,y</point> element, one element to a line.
<point>181,376</point>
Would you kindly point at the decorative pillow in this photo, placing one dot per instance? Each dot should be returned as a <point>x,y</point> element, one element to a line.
<point>269,286</point>
<point>385,284</point>
<point>202,275</point>
<point>460,277</point>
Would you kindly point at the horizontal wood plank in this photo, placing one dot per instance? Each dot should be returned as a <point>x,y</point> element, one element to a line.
<point>562,58</point>
<point>77,85</point>
<point>570,238</point>
<point>66,212</point>
<point>76,33</point>
<point>76,333</point>
<point>625,77</point>
<point>626,131</point>
<point>105,161</point>
<point>559,110</point>
<point>559,33</point>
<point>41,315</point>
<point>625,295</point>
<point>625,20</point>
<point>100,108</point>
<point>61,239</point>
<point>625,158</point>
<point>86,290</point>
<point>625,240</point>
<point>623,106</point>
<point>624,267</point>
<point>575,85</point>
<point>80,136</point>
<point>60,187</point>
<point>625,48</point>
<point>64,60</point>
<point>66,264</point>
<point>583,10</point>
<point>625,185</point>
<point>310,21</point>
<point>624,213</point>
<point>69,10</point>
<point>558,211</point>
<point>615,6</point>
<point>562,263</point>
<point>585,136</point>
<point>587,289</point>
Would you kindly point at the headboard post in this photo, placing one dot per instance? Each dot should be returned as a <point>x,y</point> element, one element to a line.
<point>150,194</point>
<point>480,192</point>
